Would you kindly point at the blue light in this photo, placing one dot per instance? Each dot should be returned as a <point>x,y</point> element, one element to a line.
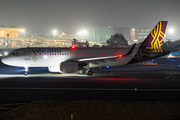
<point>107,67</point>
<point>152,60</point>
<point>17,68</point>
<point>173,60</point>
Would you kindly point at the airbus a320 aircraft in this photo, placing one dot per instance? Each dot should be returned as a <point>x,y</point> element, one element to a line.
<point>70,60</point>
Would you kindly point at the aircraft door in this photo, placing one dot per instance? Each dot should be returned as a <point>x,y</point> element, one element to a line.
<point>27,54</point>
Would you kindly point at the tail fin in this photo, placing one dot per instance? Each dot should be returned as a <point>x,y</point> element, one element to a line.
<point>154,40</point>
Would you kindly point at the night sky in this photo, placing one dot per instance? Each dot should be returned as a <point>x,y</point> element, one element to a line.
<point>70,16</point>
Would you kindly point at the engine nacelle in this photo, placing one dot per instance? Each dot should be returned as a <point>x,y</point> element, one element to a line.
<point>69,67</point>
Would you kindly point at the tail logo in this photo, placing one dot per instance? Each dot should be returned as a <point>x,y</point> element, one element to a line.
<point>153,42</point>
<point>158,37</point>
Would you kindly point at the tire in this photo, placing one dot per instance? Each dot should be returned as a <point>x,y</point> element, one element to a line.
<point>26,74</point>
<point>89,72</point>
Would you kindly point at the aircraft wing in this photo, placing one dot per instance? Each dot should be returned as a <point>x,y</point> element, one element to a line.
<point>108,57</point>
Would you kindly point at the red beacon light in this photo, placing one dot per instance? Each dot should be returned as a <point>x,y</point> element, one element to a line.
<point>73,47</point>
<point>120,55</point>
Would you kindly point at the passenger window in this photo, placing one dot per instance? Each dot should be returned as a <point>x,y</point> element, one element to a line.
<point>67,53</point>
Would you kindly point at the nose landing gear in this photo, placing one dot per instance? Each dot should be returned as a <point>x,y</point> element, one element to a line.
<point>26,71</point>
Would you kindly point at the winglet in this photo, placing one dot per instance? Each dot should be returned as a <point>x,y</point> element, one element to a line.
<point>130,51</point>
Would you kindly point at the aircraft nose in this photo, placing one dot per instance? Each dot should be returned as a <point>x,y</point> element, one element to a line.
<point>3,60</point>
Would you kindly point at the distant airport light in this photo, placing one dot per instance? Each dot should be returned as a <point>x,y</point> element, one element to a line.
<point>135,40</point>
<point>22,30</point>
<point>152,60</point>
<point>107,67</point>
<point>173,60</point>
<point>84,32</point>
<point>120,55</point>
<point>171,30</point>
<point>54,32</point>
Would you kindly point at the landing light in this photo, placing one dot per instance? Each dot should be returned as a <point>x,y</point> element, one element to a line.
<point>5,53</point>
<point>45,57</point>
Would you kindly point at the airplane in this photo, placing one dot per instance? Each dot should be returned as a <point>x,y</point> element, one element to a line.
<point>73,60</point>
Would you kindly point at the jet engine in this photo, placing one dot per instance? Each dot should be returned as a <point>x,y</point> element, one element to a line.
<point>69,67</point>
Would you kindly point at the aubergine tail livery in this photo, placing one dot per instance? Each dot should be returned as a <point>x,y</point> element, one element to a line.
<point>151,46</point>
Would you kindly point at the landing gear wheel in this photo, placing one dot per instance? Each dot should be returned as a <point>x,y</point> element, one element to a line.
<point>26,74</point>
<point>80,72</point>
<point>89,72</point>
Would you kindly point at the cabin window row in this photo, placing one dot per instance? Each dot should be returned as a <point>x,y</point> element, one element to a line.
<point>75,53</point>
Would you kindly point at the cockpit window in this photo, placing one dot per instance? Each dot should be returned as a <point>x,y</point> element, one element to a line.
<point>14,53</point>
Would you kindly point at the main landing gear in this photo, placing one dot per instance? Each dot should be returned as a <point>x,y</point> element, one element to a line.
<point>88,72</point>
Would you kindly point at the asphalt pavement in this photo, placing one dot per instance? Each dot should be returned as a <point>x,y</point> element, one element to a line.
<point>129,83</point>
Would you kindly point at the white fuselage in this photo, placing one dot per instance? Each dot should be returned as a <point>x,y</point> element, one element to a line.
<point>52,57</point>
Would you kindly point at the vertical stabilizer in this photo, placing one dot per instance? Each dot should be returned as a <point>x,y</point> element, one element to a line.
<point>152,43</point>
<point>154,40</point>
